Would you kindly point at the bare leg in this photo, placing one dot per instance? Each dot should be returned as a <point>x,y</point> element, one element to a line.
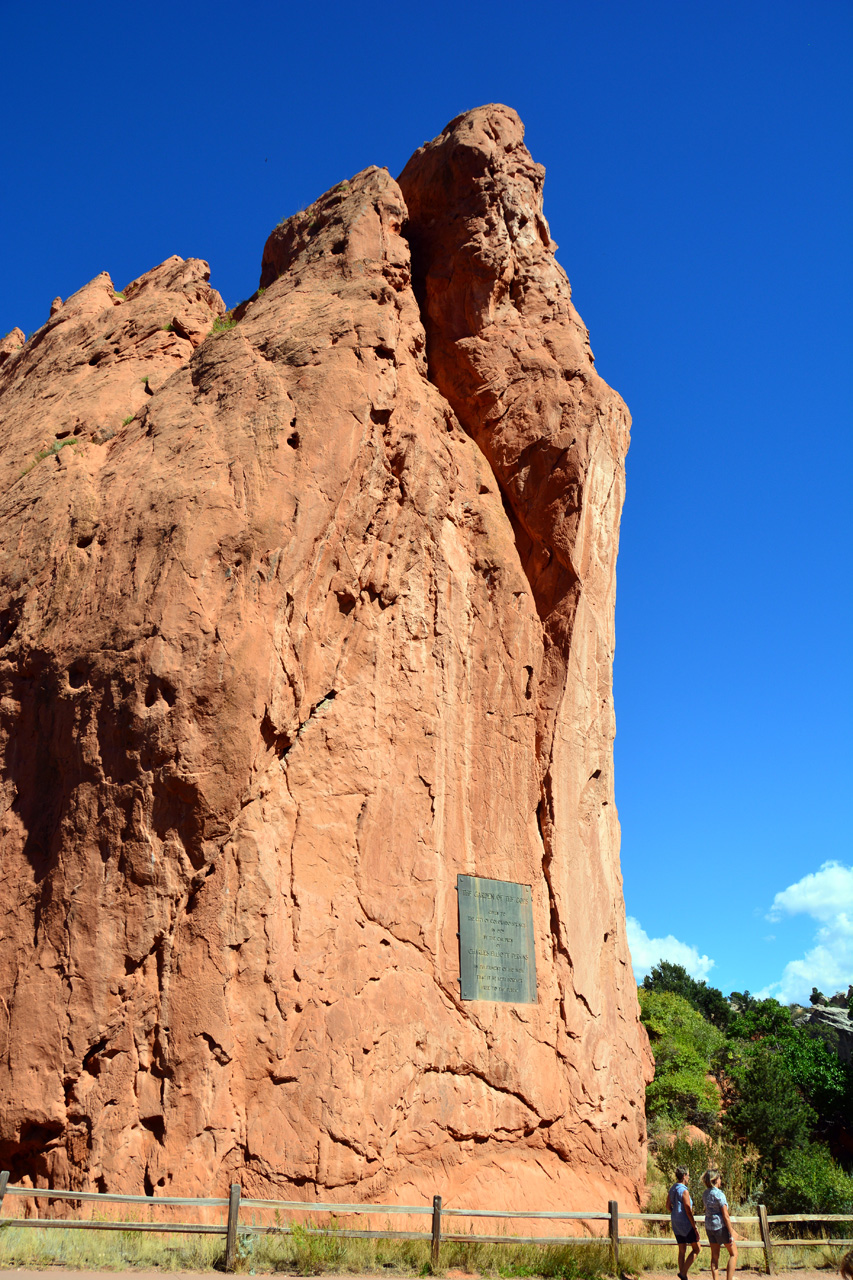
<point>682,1249</point>
<point>715,1258</point>
<point>694,1254</point>
<point>732,1262</point>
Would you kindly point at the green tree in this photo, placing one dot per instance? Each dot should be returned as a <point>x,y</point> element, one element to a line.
<point>759,1018</point>
<point>683,1043</point>
<point>768,1109</point>
<point>666,976</point>
<point>818,1071</point>
<point>810,1055</point>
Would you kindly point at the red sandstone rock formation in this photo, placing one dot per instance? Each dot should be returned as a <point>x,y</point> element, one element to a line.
<point>299,619</point>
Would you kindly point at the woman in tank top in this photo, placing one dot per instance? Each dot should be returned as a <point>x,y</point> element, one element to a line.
<point>683,1223</point>
<point>718,1224</point>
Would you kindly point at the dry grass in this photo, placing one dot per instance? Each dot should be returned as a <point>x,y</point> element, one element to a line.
<point>300,1251</point>
<point>107,1250</point>
<point>306,1252</point>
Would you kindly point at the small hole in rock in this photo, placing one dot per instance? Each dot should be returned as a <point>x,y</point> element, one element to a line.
<point>339,246</point>
<point>77,676</point>
<point>293,440</point>
<point>86,540</point>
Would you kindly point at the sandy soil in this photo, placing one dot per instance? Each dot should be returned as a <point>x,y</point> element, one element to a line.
<point>62,1273</point>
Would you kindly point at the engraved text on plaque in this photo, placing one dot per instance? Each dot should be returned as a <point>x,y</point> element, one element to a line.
<point>497,958</point>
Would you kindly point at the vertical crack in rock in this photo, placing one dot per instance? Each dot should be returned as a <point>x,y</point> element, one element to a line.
<point>508,350</point>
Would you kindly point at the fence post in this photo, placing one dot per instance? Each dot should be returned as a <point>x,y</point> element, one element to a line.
<point>4,1178</point>
<point>436,1231</point>
<point>231,1236</point>
<point>613,1209</point>
<point>765,1237</point>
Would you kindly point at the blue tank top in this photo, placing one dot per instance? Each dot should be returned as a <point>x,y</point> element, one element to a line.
<point>680,1220</point>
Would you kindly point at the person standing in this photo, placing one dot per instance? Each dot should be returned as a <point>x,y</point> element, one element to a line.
<point>680,1207</point>
<point>718,1223</point>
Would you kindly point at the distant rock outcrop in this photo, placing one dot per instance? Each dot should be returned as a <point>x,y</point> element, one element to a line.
<point>304,611</point>
<point>829,1017</point>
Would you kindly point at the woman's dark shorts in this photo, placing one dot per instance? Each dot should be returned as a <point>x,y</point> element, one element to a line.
<point>721,1236</point>
<point>687,1237</point>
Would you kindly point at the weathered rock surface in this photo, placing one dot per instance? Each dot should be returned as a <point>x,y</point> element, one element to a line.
<point>283,649</point>
<point>823,1018</point>
<point>12,342</point>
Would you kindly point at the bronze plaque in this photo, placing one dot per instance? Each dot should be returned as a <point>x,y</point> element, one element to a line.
<point>497,958</point>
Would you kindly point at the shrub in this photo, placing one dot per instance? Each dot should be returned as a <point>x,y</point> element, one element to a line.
<point>808,1180</point>
<point>710,1001</point>
<point>739,1166</point>
<point>755,1018</point>
<point>46,453</point>
<point>683,1043</point>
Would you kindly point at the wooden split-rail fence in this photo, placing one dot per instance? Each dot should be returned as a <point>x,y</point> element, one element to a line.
<point>232,1229</point>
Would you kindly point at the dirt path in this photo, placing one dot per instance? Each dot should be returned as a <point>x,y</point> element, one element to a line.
<point>63,1273</point>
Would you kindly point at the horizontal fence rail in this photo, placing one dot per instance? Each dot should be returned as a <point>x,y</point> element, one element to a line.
<point>232,1229</point>
<point>105,1197</point>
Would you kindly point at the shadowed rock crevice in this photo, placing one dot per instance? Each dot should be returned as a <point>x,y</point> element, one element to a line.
<point>507,349</point>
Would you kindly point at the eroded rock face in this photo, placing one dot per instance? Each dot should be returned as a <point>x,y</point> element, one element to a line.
<point>822,1019</point>
<point>283,649</point>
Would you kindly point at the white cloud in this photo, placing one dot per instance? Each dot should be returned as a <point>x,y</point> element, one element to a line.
<point>827,896</point>
<point>647,952</point>
<point>823,894</point>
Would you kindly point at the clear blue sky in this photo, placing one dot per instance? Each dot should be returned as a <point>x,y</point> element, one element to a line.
<point>699,183</point>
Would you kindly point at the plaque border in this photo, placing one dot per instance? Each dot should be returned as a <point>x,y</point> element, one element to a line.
<point>526,914</point>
